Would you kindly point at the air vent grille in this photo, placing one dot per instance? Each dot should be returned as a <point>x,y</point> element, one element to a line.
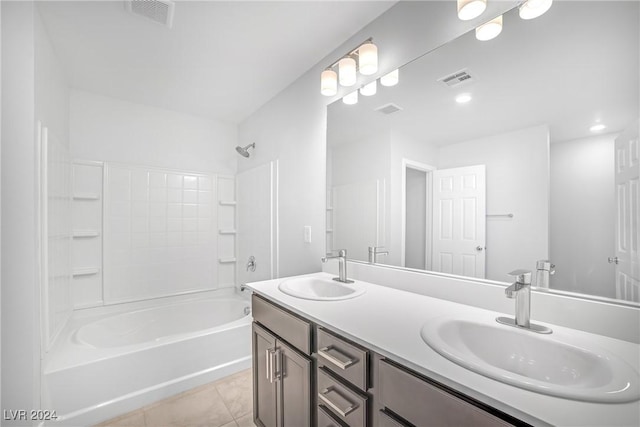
<point>388,108</point>
<point>160,11</point>
<point>457,78</point>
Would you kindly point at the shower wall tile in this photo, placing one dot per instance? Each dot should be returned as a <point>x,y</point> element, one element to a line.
<point>158,233</point>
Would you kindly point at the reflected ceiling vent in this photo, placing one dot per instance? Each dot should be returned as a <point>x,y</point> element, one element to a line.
<point>160,11</point>
<point>458,78</point>
<point>388,108</point>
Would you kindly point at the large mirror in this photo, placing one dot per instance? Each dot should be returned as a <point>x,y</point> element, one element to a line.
<point>516,174</point>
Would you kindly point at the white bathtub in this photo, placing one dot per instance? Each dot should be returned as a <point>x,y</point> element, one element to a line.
<point>109,361</point>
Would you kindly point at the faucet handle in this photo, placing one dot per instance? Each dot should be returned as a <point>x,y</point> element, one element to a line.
<point>522,276</point>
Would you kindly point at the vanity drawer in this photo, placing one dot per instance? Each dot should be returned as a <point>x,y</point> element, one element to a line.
<point>326,418</point>
<point>424,404</point>
<point>343,358</point>
<point>386,420</point>
<point>291,328</point>
<point>340,401</point>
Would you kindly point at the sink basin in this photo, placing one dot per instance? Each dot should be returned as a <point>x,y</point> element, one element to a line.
<point>320,288</point>
<point>547,364</point>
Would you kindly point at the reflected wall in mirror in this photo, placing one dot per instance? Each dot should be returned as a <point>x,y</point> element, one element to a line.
<point>512,176</point>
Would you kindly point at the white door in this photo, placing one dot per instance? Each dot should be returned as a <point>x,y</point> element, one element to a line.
<point>459,215</point>
<point>627,256</point>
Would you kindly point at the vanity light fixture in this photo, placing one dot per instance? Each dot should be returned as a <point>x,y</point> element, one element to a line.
<point>367,64</point>
<point>369,89</point>
<point>470,9</point>
<point>463,98</point>
<point>390,79</point>
<point>351,98</point>
<point>597,127</point>
<point>531,9</point>
<point>489,30</point>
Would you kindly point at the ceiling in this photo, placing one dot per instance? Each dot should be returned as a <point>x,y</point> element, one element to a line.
<point>221,59</point>
<point>569,68</point>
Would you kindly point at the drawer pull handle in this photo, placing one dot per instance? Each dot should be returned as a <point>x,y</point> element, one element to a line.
<point>323,396</point>
<point>342,364</point>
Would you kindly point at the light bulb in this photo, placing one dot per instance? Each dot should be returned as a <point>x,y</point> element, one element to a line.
<point>470,9</point>
<point>369,89</point>
<point>351,98</point>
<point>390,79</point>
<point>368,59</point>
<point>347,71</point>
<point>329,82</point>
<point>534,8</point>
<point>489,30</point>
<point>463,98</point>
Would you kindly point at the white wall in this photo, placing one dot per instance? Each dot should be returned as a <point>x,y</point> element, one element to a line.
<point>583,215</point>
<point>292,126</point>
<point>20,279</point>
<point>517,182</point>
<point>112,130</point>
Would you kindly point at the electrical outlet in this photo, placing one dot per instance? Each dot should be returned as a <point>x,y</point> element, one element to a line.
<point>307,234</point>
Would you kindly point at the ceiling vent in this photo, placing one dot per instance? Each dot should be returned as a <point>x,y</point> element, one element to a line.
<point>388,108</point>
<point>457,78</point>
<point>160,11</point>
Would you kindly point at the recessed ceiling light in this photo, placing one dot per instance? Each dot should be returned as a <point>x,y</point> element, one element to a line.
<point>463,98</point>
<point>597,127</point>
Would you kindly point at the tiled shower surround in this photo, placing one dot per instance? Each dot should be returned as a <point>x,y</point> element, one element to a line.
<point>159,229</point>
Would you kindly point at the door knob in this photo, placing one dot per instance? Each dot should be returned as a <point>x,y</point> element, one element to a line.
<point>613,260</point>
<point>480,248</point>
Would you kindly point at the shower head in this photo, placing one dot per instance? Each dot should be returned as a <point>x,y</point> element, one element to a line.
<point>244,151</point>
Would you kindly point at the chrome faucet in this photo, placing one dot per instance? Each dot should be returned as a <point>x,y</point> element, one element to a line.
<point>374,251</point>
<point>520,290</point>
<point>342,265</point>
<point>544,269</point>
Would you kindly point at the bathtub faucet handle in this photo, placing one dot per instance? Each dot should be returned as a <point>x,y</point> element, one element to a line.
<point>251,264</point>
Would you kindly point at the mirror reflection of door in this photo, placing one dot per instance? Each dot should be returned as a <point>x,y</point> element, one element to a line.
<point>627,182</point>
<point>445,214</point>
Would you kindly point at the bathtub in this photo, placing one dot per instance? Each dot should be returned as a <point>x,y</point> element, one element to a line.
<point>112,360</point>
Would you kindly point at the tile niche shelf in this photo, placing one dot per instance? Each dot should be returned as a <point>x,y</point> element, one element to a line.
<point>227,231</point>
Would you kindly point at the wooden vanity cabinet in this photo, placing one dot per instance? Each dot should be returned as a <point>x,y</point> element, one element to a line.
<point>282,373</point>
<point>334,382</point>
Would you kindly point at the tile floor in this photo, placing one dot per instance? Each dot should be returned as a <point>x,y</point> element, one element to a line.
<point>225,403</point>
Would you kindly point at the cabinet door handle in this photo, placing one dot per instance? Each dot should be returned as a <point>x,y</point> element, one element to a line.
<point>269,363</point>
<point>278,372</point>
<point>323,396</point>
<point>342,364</point>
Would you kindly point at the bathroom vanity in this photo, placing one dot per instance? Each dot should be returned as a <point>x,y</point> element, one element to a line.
<point>336,360</point>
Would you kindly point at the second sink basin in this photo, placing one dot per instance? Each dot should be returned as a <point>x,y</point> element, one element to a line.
<point>545,364</point>
<point>320,288</point>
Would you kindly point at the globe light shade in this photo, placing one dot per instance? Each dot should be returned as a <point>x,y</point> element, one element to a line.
<point>351,98</point>
<point>329,83</point>
<point>347,71</point>
<point>470,9</point>
<point>368,59</point>
<point>369,89</point>
<point>489,30</point>
<point>390,79</point>
<point>533,8</point>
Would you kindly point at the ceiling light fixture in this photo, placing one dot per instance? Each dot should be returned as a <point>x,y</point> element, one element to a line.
<point>531,9</point>
<point>347,75</point>
<point>369,89</point>
<point>463,98</point>
<point>597,127</point>
<point>390,79</point>
<point>351,98</point>
<point>489,30</point>
<point>470,9</point>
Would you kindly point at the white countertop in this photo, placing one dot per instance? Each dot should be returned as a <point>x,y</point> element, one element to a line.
<point>388,321</point>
